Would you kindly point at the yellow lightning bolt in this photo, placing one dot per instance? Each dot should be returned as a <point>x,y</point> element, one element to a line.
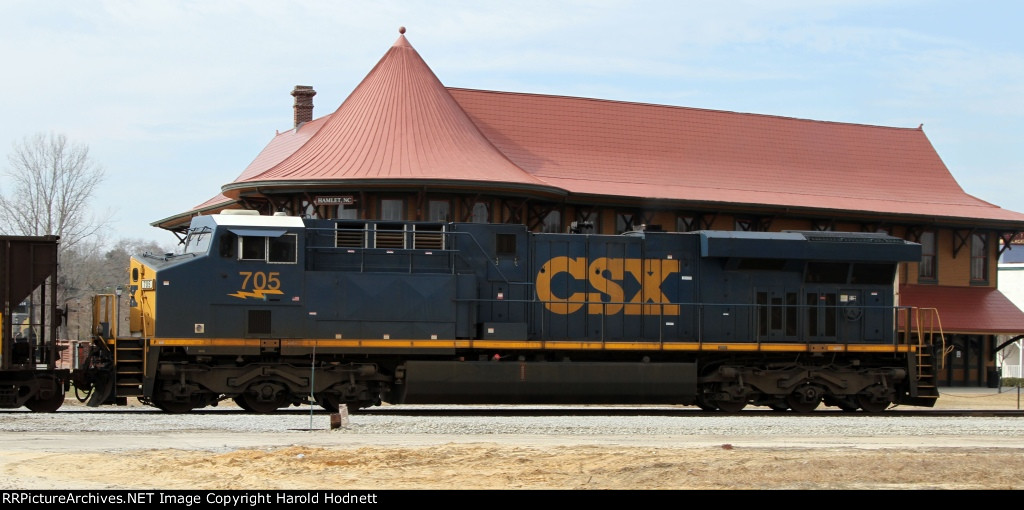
<point>258,294</point>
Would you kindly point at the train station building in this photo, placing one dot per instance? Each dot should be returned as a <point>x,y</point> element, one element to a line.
<point>403,146</point>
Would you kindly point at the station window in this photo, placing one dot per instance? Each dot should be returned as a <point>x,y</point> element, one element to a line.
<point>392,209</point>
<point>480,213</point>
<point>979,258</point>
<point>439,210</point>
<point>926,269</point>
<point>347,212</point>
<point>552,222</point>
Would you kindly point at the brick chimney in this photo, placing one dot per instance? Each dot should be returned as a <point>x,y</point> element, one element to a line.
<point>303,103</point>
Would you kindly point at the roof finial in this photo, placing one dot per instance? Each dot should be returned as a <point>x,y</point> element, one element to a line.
<point>401,30</point>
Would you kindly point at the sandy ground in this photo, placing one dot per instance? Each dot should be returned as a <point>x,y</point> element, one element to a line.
<point>438,464</point>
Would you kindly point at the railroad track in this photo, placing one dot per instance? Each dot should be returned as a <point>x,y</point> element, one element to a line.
<point>540,411</point>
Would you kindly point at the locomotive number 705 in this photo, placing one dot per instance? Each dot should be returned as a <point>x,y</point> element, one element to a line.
<point>261,284</point>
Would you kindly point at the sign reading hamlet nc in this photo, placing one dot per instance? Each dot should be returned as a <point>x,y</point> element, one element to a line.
<point>340,200</point>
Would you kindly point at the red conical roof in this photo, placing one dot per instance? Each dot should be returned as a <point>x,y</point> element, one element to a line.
<point>399,123</point>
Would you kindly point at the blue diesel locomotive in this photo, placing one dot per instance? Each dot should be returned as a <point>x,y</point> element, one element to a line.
<point>273,311</point>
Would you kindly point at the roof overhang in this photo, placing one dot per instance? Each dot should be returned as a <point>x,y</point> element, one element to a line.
<point>236,190</point>
<point>967,310</point>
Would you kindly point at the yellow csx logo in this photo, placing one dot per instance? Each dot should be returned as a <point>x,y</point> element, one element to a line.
<point>605,277</point>
<point>261,284</point>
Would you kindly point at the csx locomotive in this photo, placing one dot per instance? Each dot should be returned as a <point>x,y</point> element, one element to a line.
<point>273,311</point>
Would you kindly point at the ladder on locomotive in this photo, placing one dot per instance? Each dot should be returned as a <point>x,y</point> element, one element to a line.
<point>922,329</point>
<point>128,352</point>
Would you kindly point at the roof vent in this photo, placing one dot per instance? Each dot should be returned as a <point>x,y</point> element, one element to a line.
<point>303,103</point>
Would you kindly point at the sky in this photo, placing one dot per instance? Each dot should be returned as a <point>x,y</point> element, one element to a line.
<point>174,98</point>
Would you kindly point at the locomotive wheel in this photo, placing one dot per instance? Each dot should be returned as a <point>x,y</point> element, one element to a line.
<point>804,399</point>
<point>175,406</point>
<point>257,406</point>
<point>328,401</point>
<point>871,404</point>
<point>847,404</point>
<point>735,397</point>
<point>45,405</point>
<point>358,405</point>
<point>264,398</point>
<point>240,402</point>
<point>730,406</point>
<point>704,404</point>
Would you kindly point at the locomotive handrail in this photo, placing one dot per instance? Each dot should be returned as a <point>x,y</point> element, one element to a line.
<point>447,236</point>
<point>935,319</point>
<point>104,325</point>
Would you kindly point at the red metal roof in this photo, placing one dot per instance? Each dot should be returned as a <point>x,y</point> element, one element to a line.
<point>982,310</point>
<point>281,146</point>
<point>402,125</point>
<point>590,146</point>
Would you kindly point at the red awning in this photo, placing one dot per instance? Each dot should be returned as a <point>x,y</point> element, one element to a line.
<point>981,310</point>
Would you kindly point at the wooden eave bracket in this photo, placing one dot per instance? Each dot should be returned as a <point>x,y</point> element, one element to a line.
<point>913,233</point>
<point>960,239</point>
<point>823,225</point>
<point>756,223</point>
<point>697,220</point>
<point>536,214</point>
<point>1007,240</point>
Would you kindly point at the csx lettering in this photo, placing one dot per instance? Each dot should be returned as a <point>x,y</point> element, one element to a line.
<point>605,276</point>
<point>261,284</point>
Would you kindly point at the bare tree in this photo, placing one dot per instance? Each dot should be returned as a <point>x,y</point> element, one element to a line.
<point>51,184</point>
<point>94,267</point>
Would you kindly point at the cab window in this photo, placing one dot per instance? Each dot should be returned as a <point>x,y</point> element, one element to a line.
<point>198,240</point>
<point>282,249</point>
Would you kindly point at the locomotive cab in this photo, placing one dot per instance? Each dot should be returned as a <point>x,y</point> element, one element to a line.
<point>228,258</point>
